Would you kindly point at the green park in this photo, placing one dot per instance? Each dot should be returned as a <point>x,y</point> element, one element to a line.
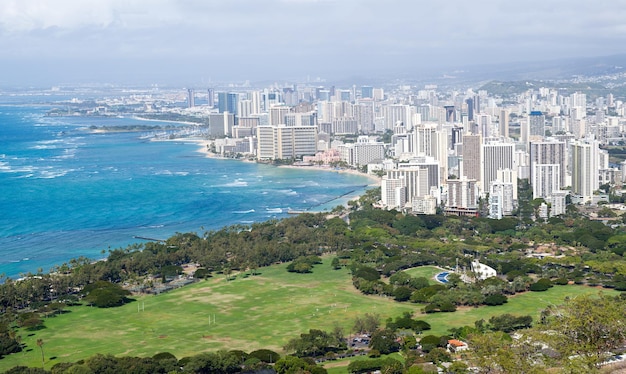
<point>245,312</point>
<point>277,286</point>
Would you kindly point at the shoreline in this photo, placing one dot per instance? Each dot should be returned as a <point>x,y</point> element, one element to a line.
<point>374,181</point>
<point>204,144</point>
<point>163,120</point>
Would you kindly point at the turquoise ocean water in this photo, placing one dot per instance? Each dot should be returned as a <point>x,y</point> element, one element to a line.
<point>66,192</point>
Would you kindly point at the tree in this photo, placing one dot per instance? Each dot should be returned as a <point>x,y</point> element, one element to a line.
<point>291,364</point>
<point>201,273</point>
<point>208,363</point>
<point>508,322</point>
<point>542,284</point>
<point>384,341</point>
<point>40,345</point>
<point>104,294</point>
<point>367,273</point>
<point>586,329</point>
<point>495,299</point>
<point>438,355</point>
<point>496,352</point>
<point>265,355</point>
<point>316,343</point>
<point>386,365</point>
<point>366,324</point>
<point>402,293</point>
<point>430,342</point>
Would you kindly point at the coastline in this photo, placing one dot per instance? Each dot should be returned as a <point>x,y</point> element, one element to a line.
<point>211,197</point>
<point>204,144</point>
<point>374,181</point>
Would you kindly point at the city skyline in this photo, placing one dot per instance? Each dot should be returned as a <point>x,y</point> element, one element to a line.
<point>197,42</point>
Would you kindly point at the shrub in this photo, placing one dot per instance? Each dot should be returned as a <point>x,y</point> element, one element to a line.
<point>561,281</point>
<point>202,273</point>
<point>103,294</point>
<point>164,356</point>
<point>542,284</point>
<point>265,355</point>
<point>495,299</point>
<point>402,293</point>
<point>447,307</point>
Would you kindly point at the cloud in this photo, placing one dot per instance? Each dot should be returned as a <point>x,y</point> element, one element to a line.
<point>249,35</point>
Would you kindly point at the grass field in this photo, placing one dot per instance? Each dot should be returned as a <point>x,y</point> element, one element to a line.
<point>528,303</point>
<point>427,272</point>
<point>262,311</point>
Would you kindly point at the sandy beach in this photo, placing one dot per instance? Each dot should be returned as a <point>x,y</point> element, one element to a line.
<point>375,181</point>
<point>204,149</point>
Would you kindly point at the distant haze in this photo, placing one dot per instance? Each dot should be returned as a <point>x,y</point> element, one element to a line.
<point>199,41</point>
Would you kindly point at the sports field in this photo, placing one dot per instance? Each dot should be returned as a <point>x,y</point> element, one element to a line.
<point>247,313</point>
<point>427,272</point>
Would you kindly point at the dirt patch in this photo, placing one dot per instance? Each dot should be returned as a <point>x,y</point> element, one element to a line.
<point>162,336</point>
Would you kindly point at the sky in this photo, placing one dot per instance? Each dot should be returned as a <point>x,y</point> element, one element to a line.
<point>190,42</point>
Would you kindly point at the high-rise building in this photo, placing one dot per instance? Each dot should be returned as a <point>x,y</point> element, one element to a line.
<point>244,108</point>
<point>323,95</point>
<point>424,111</point>
<point>471,165</point>
<point>536,125</point>
<point>504,123</point>
<point>345,126</point>
<point>221,124</point>
<point>462,194</point>
<point>557,203</point>
<point>227,102</point>
<point>286,142</point>
<point>545,180</point>
<point>367,92</point>
<point>364,114</point>
<point>483,122</point>
<point>416,181</point>
<point>578,99</point>
<point>191,99</point>
<point>428,140</point>
<point>362,152</point>
<point>495,156</point>
<point>424,205</point>
<point>301,119</point>
<point>398,113</point>
<point>470,109</point>
<point>378,94</point>
<point>549,152</point>
<point>343,95</point>
<point>277,114</point>
<point>585,166</point>
<point>210,98</point>
<point>290,96</point>
<point>501,202</point>
<point>450,113</point>
<point>255,96</point>
<point>393,192</point>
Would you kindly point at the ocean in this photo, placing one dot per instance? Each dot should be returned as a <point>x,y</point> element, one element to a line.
<point>67,192</point>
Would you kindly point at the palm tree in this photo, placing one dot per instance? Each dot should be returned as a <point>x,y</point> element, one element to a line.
<point>40,344</point>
